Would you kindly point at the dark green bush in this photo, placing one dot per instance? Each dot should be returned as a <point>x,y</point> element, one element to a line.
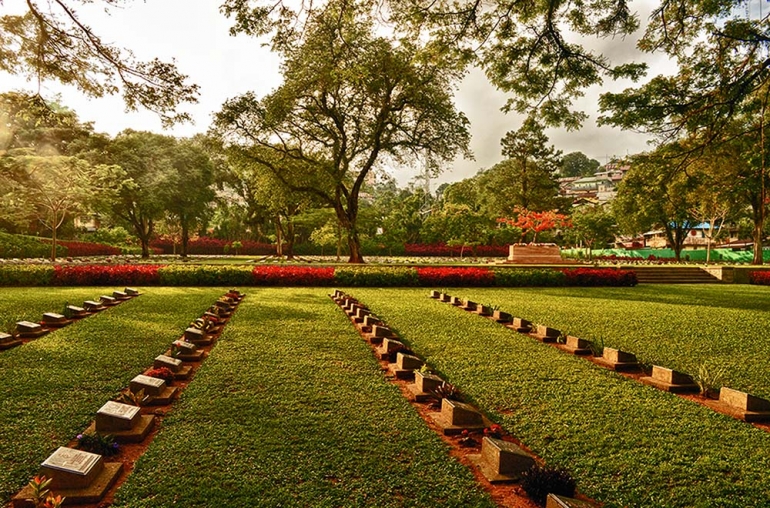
<point>26,275</point>
<point>539,481</point>
<point>19,246</point>
<point>180,275</point>
<point>376,276</point>
<point>515,277</point>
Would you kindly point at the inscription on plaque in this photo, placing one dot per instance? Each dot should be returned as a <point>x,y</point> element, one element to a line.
<point>150,385</point>
<point>72,461</point>
<point>27,326</point>
<point>118,410</point>
<point>166,361</point>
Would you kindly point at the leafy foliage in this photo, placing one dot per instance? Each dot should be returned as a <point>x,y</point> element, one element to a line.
<point>539,481</point>
<point>101,444</point>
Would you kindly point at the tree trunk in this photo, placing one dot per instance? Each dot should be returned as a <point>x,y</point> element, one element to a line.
<point>758,252</point>
<point>354,243</point>
<point>278,235</point>
<point>185,238</point>
<point>339,241</point>
<point>53,237</point>
<point>289,239</point>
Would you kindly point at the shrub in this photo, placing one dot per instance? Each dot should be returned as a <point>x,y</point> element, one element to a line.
<point>539,481</point>
<point>761,278</point>
<point>85,249</point>
<point>584,277</point>
<point>376,276</point>
<point>455,276</point>
<point>101,444</point>
<point>512,277</point>
<point>293,276</point>
<point>442,249</point>
<point>26,275</point>
<point>179,275</point>
<point>214,246</point>
<point>21,247</point>
<point>105,275</point>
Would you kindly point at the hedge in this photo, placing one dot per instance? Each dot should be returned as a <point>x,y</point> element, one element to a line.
<point>761,278</point>
<point>19,246</point>
<point>283,275</point>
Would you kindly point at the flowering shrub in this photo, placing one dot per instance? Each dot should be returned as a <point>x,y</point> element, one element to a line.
<point>105,275</point>
<point>85,249</point>
<point>599,277</point>
<point>455,276</point>
<point>442,249</point>
<point>761,278</point>
<point>293,276</point>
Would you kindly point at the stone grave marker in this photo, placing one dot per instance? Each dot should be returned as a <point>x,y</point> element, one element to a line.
<point>547,334</point>
<point>187,351</point>
<point>502,317</point>
<point>520,325</point>
<point>123,422</point>
<point>379,333</point>
<point>7,341</point>
<point>360,314</point>
<point>456,301</point>
<point>29,330</point>
<point>405,366</point>
<point>52,319</point>
<point>424,384</point>
<point>617,360</point>
<point>173,364</point>
<point>131,291</point>
<point>81,477</point>
<point>484,310</point>
<point>160,394</point>
<point>670,380</point>
<point>744,406</point>
<point>77,312</point>
<point>556,501</point>
<point>469,305</point>
<point>457,416</point>
<point>196,336</point>
<point>389,349</point>
<point>501,461</point>
<point>120,295</point>
<point>108,300</point>
<point>435,294</point>
<point>575,345</point>
<point>92,306</point>
<point>369,322</point>
<point>445,298</point>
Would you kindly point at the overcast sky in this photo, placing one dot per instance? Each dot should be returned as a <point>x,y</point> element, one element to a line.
<point>195,34</point>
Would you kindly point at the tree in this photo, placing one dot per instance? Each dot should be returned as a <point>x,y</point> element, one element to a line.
<point>51,42</point>
<point>537,222</point>
<point>144,169</point>
<point>654,193</point>
<point>593,225</point>
<point>349,100</point>
<point>719,94</point>
<point>458,225</point>
<point>526,179</point>
<point>188,188</point>
<point>578,164</point>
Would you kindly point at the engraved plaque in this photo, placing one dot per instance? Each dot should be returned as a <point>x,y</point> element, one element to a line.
<point>174,364</point>
<point>150,385</point>
<point>72,469</point>
<point>27,326</point>
<point>114,416</point>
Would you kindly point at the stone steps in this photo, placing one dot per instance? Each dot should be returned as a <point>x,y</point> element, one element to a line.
<point>674,275</point>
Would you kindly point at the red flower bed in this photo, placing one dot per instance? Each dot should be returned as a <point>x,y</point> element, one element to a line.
<point>455,276</point>
<point>600,277</point>
<point>441,249</point>
<point>105,275</point>
<point>761,278</point>
<point>214,246</point>
<point>85,249</point>
<point>293,276</point>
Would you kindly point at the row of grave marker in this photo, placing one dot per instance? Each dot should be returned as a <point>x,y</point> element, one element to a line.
<point>500,461</point>
<point>83,477</point>
<point>27,330</point>
<point>735,403</point>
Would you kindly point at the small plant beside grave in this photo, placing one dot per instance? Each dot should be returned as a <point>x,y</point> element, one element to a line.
<point>709,379</point>
<point>132,398</point>
<point>467,440</point>
<point>445,391</point>
<point>494,431</point>
<point>163,373</point>
<point>42,497</point>
<point>539,481</point>
<point>101,444</point>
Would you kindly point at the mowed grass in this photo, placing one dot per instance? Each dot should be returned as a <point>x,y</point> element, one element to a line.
<point>676,326</point>
<point>27,304</point>
<point>51,388</point>
<point>627,444</point>
<point>291,409</point>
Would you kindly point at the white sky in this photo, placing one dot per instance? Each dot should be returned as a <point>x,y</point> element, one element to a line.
<point>195,34</point>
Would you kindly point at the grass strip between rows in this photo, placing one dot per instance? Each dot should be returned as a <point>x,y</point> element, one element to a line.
<point>291,409</point>
<point>627,444</point>
<point>680,327</point>
<point>29,304</point>
<point>51,388</point>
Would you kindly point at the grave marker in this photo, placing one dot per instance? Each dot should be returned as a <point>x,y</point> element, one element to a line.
<point>108,300</point>
<point>520,325</point>
<point>435,294</point>
<point>501,461</point>
<point>457,416</point>
<point>131,291</point>
<point>502,317</point>
<point>445,298</point>
<point>484,310</point>
<point>77,312</point>
<point>7,341</point>
<point>389,349</point>
<point>670,380</point>
<point>469,305</point>
<point>120,295</point>
<point>424,384</point>
<point>547,334</point>
<point>92,306</point>
<point>405,366</point>
<point>744,406</point>
<point>123,422</point>
<point>617,360</point>
<point>160,394</point>
<point>555,501</point>
<point>29,330</point>
<point>575,345</point>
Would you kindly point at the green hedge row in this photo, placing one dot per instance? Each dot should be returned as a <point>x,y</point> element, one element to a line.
<point>21,247</point>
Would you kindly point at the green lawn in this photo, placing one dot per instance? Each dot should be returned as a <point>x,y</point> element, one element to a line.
<point>291,409</point>
<point>51,388</point>
<point>627,444</point>
<point>675,326</point>
<point>23,304</point>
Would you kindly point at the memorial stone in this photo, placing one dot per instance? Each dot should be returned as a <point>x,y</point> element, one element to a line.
<point>150,385</point>
<point>114,416</point>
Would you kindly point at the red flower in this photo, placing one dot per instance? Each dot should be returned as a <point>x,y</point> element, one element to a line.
<point>455,276</point>
<point>293,276</point>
